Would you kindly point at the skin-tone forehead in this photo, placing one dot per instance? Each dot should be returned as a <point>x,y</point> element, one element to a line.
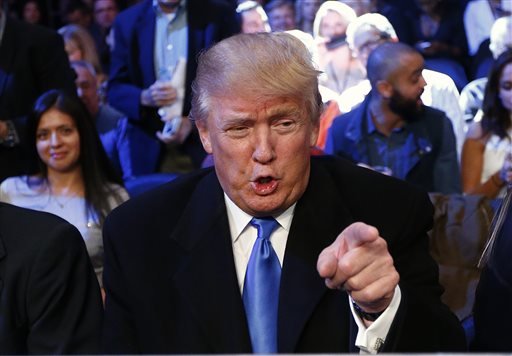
<point>408,64</point>
<point>274,108</point>
<point>53,118</point>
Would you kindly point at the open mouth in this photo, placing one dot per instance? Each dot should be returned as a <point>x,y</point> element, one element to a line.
<point>264,185</point>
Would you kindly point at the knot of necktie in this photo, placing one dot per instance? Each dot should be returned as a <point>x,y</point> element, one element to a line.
<point>265,226</point>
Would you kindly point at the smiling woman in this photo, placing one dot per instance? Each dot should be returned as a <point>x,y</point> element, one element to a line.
<point>74,179</point>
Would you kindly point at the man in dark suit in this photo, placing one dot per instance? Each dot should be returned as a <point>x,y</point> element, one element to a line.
<point>149,39</point>
<point>393,130</point>
<point>50,300</point>
<point>32,61</point>
<point>180,268</point>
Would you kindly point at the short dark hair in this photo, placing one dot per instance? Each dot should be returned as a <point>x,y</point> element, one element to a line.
<point>385,60</point>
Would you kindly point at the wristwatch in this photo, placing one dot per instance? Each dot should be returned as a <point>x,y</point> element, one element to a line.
<point>365,315</point>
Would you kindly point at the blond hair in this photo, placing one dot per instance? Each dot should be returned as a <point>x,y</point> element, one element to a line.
<point>84,41</point>
<point>259,66</point>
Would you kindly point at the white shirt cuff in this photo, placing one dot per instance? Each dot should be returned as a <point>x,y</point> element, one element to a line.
<point>370,340</point>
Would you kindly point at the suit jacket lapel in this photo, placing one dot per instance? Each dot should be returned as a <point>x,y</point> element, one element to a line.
<point>318,219</point>
<point>213,292</point>
<point>146,41</point>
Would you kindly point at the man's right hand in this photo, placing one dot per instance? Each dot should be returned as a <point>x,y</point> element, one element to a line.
<point>159,94</point>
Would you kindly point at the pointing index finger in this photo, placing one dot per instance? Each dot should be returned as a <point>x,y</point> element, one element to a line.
<point>358,234</point>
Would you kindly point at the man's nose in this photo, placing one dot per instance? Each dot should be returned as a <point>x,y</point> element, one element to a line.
<point>263,146</point>
<point>423,81</point>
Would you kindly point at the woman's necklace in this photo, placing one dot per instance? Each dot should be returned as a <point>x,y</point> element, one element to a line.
<point>62,203</point>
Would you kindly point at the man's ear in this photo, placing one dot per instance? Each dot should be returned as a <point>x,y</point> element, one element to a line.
<point>385,89</point>
<point>314,133</point>
<point>204,134</point>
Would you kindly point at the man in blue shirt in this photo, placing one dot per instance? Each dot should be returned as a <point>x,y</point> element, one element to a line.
<point>150,39</point>
<point>392,131</point>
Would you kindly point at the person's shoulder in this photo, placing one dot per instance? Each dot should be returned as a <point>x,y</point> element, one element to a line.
<point>171,196</point>
<point>110,112</point>
<point>13,224</point>
<point>360,185</point>
<point>475,131</point>
<point>349,173</point>
<point>438,80</point>
<point>341,121</point>
<point>26,35</point>
<point>10,182</point>
<point>14,185</point>
<point>434,117</point>
<point>435,121</point>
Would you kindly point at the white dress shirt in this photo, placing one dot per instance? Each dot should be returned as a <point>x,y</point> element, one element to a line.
<point>369,340</point>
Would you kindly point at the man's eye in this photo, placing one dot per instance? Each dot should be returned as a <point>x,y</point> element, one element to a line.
<point>237,131</point>
<point>285,125</point>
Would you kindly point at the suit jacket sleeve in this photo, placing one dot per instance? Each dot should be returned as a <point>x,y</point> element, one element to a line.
<point>64,308</point>
<point>124,93</point>
<point>118,335</point>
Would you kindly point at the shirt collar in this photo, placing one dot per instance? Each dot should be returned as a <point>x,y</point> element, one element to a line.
<point>371,126</point>
<point>159,11</point>
<point>239,219</point>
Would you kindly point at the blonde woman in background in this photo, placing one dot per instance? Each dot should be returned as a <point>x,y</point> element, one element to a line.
<point>80,46</point>
<point>336,60</point>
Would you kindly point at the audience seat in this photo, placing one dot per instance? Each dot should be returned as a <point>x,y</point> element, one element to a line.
<point>138,185</point>
<point>457,239</point>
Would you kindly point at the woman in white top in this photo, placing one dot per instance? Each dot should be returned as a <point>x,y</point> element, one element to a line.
<point>487,152</point>
<point>74,178</point>
<point>335,57</point>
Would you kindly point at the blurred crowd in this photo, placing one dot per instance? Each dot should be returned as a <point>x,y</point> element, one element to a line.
<point>95,95</point>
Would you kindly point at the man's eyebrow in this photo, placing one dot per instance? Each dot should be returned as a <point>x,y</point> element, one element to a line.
<point>285,110</point>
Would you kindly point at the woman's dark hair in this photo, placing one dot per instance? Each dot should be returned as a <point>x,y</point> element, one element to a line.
<point>97,172</point>
<point>496,118</point>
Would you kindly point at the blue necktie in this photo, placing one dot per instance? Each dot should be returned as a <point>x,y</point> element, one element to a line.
<point>261,288</point>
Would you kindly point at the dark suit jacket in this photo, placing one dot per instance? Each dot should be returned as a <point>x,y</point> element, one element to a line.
<point>49,297</point>
<point>433,163</point>
<point>172,286</point>
<point>32,61</point>
<point>132,61</point>
<point>493,301</point>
